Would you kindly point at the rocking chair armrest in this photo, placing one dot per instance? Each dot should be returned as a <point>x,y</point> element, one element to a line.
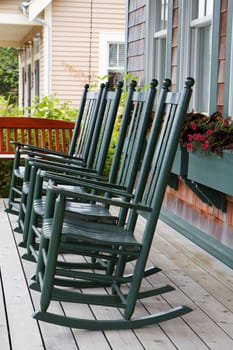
<point>45,151</point>
<point>63,159</point>
<point>100,199</point>
<point>67,168</point>
<point>17,143</point>
<point>89,184</point>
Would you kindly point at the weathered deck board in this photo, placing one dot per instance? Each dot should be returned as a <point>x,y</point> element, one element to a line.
<point>201,282</point>
<point>4,338</point>
<point>24,332</point>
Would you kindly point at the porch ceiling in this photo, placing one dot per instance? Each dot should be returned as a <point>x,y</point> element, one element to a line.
<point>14,29</point>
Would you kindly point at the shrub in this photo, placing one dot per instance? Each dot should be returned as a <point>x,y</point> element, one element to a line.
<point>51,107</point>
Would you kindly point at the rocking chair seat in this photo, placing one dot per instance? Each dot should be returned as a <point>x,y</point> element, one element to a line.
<point>81,231</point>
<point>84,211</point>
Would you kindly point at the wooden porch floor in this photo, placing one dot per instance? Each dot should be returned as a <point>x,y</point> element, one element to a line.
<point>201,282</point>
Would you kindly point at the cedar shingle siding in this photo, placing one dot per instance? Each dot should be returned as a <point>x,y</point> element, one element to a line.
<point>183,199</point>
<point>136,38</point>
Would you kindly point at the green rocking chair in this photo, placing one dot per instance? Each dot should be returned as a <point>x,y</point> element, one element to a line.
<point>91,145</point>
<point>82,134</point>
<point>135,121</point>
<point>110,241</point>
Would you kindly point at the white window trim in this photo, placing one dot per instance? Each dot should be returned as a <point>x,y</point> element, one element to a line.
<point>154,33</point>
<point>160,34</point>
<point>202,21</point>
<point>184,65</point>
<point>104,40</point>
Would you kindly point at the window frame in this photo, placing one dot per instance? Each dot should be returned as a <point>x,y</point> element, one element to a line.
<point>117,67</point>
<point>188,24</point>
<point>154,32</point>
<point>104,40</point>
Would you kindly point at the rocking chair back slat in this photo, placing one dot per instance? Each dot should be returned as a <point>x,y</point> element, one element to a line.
<point>85,123</point>
<point>104,129</point>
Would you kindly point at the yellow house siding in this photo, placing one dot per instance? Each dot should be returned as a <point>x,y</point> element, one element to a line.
<point>76,26</point>
<point>11,6</point>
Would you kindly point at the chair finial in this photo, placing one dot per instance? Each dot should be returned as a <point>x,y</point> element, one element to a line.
<point>154,83</point>
<point>189,82</point>
<point>166,83</point>
<point>133,84</point>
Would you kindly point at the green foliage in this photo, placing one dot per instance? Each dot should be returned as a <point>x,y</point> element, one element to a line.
<point>5,177</point>
<point>127,79</point>
<point>8,109</point>
<point>50,107</point>
<point>206,133</point>
<point>112,145</point>
<point>9,74</point>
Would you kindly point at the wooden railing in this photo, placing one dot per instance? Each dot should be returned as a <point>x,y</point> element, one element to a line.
<point>47,133</point>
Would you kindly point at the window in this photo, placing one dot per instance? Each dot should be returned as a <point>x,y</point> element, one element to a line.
<point>157,40</point>
<point>163,14</point>
<point>116,55</point>
<point>116,60</point>
<point>200,52</point>
<point>160,39</point>
<point>36,58</point>
<point>203,8</point>
<point>112,56</point>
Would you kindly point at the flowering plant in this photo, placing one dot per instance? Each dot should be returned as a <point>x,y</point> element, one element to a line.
<point>207,133</point>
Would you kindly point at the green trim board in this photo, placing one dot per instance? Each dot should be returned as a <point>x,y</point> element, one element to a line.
<point>213,171</point>
<point>209,244</point>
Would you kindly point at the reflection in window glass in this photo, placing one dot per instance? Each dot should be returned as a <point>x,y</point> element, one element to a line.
<point>116,62</point>
<point>121,55</point>
<point>164,11</point>
<point>116,55</point>
<point>200,63</point>
<point>112,55</point>
<point>205,8</point>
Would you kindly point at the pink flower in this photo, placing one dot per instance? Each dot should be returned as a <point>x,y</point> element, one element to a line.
<point>189,147</point>
<point>190,137</point>
<point>196,137</point>
<point>205,145</point>
<point>209,132</point>
<point>202,138</point>
<point>193,126</point>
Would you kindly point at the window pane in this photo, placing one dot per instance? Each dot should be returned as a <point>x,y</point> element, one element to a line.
<point>164,10</point>
<point>112,55</point>
<point>204,68</point>
<point>200,67</point>
<point>116,55</point>
<point>205,8</point>
<point>160,58</point>
<point>121,55</point>
<point>209,7</point>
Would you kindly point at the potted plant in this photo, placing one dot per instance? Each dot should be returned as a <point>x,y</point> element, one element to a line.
<point>209,143</point>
